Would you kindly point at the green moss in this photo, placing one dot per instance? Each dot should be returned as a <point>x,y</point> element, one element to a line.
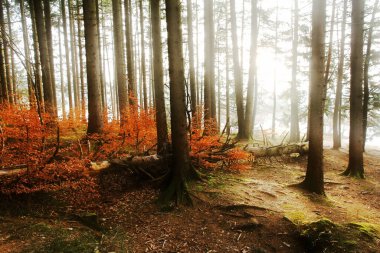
<point>326,236</point>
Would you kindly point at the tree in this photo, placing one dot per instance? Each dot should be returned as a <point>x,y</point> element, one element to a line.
<point>49,40</point>
<point>294,120</point>
<point>161,125</point>
<point>143,71</point>
<point>181,162</point>
<point>8,79</point>
<point>338,93</point>
<point>11,38</point>
<point>248,121</point>
<point>95,113</point>
<point>314,174</point>
<point>119,58</point>
<point>31,89</point>
<point>67,55</point>
<point>209,72</point>
<point>366,70</point>
<point>237,73</point>
<point>44,58</point>
<point>355,165</point>
<point>193,92</point>
<point>130,60</point>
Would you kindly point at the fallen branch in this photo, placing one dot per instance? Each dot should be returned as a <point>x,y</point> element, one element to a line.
<point>289,149</point>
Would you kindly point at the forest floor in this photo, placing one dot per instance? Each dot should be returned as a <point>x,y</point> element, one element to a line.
<point>254,210</point>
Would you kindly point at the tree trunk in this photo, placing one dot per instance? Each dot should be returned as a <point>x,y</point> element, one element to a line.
<point>44,57</point>
<point>294,120</point>
<point>329,52</point>
<point>31,91</point>
<point>355,164</point>
<point>181,162</point>
<point>49,39</point>
<point>61,71</point>
<point>74,68</point>
<point>6,56</point>
<point>237,73</point>
<point>81,67</point>
<point>3,79</point>
<point>14,81</point>
<point>161,125</point>
<point>248,125</point>
<point>37,63</point>
<point>130,60</point>
<point>338,93</point>
<point>314,174</point>
<point>143,67</point>
<point>193,92</point>
<point>67,54</point>
<point>228,120</point>
<point>209,69</point>
<point>366,69</point>
<point>119,58</point>
<point>95,114</point>
<point>275,76</point>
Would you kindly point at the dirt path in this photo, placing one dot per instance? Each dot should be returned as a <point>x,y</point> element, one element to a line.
<point>251,211</point>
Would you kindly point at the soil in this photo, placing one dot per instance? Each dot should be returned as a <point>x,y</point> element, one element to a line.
<point>255,210</point>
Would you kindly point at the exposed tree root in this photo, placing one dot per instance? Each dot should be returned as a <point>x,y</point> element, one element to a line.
<point>295,149</point>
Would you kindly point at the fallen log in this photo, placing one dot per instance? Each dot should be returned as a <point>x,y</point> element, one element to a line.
<point>293,150</point>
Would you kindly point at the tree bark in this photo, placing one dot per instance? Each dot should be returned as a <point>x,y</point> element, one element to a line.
<point>209,69</point>
<point>61,71</point>
<point>95,114</point>
<point>314,174</point>
<point>237,73</point>
<point>130,59</point>
<point>13,71</point>
<point>49,40</point>
<point>161,125</point>
<point>143,67</point>
<point>248,121</point>
<point>119,58</point>
<point>6,56</point>
<point>366,70</point>
<point>193,92</point>
<point>338,93</point>
<point>44,57</point>
<point>67,54</point>
<point>74,67</point>
<point>31,91</point>
<point>81,65</point>
<point>355,165</point>
<point>294,118</point>
<point>181,162</point>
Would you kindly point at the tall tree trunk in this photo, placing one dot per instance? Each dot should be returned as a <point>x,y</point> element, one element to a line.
<point>44,57</point>
<point>338,93</point>
<point>50,47</point>
<point>355,163</point>
<point>209,70</point>
<point>81,65</point>
<point>143,71</point>
<point>74,66</point>
<point>237,73</point>
<point>129,41</point>
<point>61,71</point>
<point>161,125</point>
<point>275,76</point>
<point>3,79</point>
<point>31,90</point>
<point>181,161</point>
<point>329,53</point>
<point>119,58</point>
<point>228,120</point>
<point>248,122</point>
<point>14,82</point>
<point>314,174</point>
<point>102,90</point>
<point>67,54</point>
<point>95,114</point>
<point>193,92</point>
<point>366,70</point>
<point>294,119</point>
<point>6,55</point>
<point>37,63</point>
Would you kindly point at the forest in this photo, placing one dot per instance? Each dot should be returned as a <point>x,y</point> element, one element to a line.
<point>189,126</point>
